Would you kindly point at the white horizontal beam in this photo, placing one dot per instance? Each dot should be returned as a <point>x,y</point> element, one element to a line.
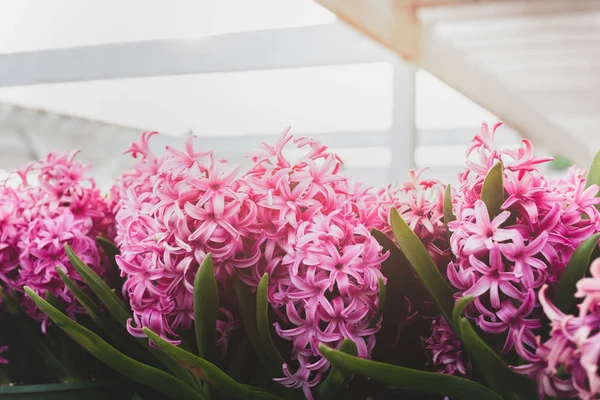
<point>245,143</point>
<point>332,44</point>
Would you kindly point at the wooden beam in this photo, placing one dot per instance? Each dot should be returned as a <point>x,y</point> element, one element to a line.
<point>395,24</point>
<point>391,23</point>
<point>484,10</point>
<point>448,63</point>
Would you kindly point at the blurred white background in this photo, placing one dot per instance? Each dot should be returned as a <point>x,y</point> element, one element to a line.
<point>381,115</point>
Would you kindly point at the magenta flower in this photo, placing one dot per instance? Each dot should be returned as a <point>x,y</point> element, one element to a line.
<point>420,202</point>
<point>523,256</point>
<point>2,359</point>
<point>322,262</point>
<point>503,262</point>
<point>171,211</point>
<point>55,204</point>
<point>446,351</point>
<point>493,278</point>
<point>566,365</point>
<point>481,234</point>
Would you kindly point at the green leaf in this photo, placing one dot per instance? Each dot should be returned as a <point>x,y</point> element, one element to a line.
<point>247,305</point>
<point>90,306</point>
<point>208,372</point>
<point>43,349</point>
<point>118,310</point>
<point>423,265</point>
<point>206,310</point>
<point>593,175</point>
<point>134,370</point>
<point>448,215</point>
<point>110,300</point>
<point>108,246</point>
<point>338,378</point>
<point>272,356</point>
<point>410,379</point>
<point>399,273</point>
<point>460,306</point>
<point>40,344</point>
<point>423,343</point>
<point>401,282</point>
<point>575,270</point>
<point>492,192</point>
<point>235,367</point>
<point>499,377</point>
<point>93,310</point>
<point>113,273</point>
<point>381,303</point>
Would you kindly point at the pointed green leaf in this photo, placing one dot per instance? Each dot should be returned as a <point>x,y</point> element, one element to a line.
<point>401,283</point>
<point>448,215</point>
<point>498,376</point>
<point>134,370</point>
<point>206,309</point>
<point>114,305</point>
<point>48,353</point>
<point>247,305</point>
<point>274,359</point>
<point>93,310</point>
<point>90,306</point>
<point>108,246</point>
<point>593,175</point>
<point>118,310</point>
<point>410,379</point>
<point>113,273</point>
<point>235,368</point>
<point>427,353</point>
<point>208,372</point>
<point>338,378</point>
<point>381,302</point>
<point>399,273</point>
<point>423,265</point>
<point>575,270</point>
<point>492,192</point>
<point>459,307</point>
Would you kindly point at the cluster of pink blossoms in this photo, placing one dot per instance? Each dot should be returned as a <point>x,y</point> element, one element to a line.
<point>171,211</point>
<point>504,260</point>
<point>420,202</point>
<point>566,365</point>
<point>315,245</point>
<point>298,221</point>
<point>53,205</point>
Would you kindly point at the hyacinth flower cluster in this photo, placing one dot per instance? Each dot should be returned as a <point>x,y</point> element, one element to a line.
<point>566,365</point>
<point>296,221</point>
<point>315,245</point>
<point>53,204</point>
<point>420,202</point>
<point>504,260</point>
<point>171,211</point>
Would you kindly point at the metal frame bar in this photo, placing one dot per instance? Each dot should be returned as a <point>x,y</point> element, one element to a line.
<point>332,44</point>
